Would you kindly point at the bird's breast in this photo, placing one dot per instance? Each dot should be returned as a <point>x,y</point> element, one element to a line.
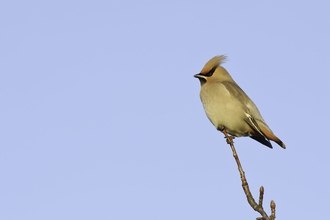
<point>223,109</point>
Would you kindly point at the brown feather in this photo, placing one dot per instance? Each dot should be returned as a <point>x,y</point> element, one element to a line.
<point>214,62</point>
<point>271,136</point>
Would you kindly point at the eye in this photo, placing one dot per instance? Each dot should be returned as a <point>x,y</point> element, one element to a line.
<point>210,73</point>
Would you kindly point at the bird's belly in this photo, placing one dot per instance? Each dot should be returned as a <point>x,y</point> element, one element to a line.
<point>227,114</point>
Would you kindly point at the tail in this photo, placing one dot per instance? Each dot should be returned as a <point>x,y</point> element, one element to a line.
<point>268,134</point>
<point>262,140</point>
<point>261,133</point>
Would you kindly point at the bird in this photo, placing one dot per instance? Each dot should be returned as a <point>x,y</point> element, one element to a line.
<point>229,108</point>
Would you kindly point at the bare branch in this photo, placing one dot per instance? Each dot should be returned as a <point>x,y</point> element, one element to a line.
<point>245,185</point>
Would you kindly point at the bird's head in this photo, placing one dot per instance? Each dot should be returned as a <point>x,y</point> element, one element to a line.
<point>213,71</point>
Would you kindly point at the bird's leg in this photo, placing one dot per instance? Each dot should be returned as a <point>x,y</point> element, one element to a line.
<point>229,139</point>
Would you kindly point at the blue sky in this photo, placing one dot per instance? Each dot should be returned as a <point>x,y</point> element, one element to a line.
<point>101,117</point>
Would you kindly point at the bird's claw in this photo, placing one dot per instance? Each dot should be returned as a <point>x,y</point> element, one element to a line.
<point>229,139</point>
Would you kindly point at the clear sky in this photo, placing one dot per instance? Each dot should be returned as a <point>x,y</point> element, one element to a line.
<point>101,116</point>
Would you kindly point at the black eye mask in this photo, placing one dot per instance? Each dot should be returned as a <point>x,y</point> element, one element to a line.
<point>210,73</point>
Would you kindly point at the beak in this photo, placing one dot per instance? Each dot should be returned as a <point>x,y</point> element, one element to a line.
<point>199,76</point>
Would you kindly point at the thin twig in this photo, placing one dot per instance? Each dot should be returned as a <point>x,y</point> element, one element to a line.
<point>261,195</point>
<point>245,185</point>
<point>272,207</point>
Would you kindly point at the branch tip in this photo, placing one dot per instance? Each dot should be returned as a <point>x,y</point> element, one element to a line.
<point>261,195</point>
<point>272,207</point>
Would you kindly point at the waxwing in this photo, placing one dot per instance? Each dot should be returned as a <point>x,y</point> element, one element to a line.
<point>228,107</point>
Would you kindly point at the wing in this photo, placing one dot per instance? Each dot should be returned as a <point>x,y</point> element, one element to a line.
<point>251,108</point>
<point>259,129</point>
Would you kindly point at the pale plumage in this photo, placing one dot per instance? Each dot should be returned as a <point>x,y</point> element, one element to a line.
<point>228,107</point>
